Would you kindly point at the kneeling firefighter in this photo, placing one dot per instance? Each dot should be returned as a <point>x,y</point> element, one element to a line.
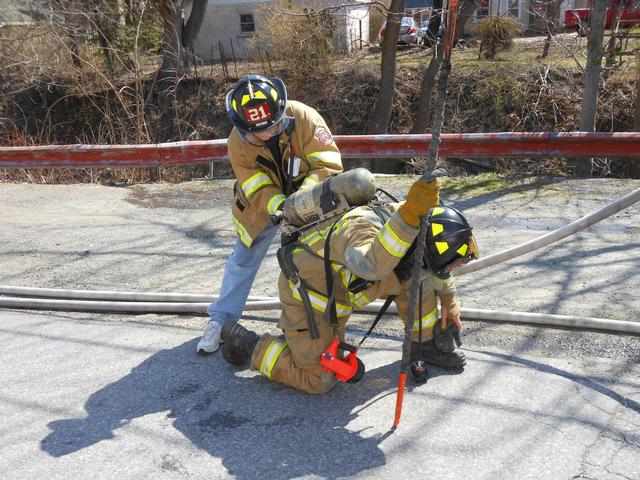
<point>347,261</point>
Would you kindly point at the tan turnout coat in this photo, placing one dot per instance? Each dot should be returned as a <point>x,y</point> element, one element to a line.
<point>362,245</point>
<point>260,182</point>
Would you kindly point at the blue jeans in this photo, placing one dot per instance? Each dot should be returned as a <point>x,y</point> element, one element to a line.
<point>239,273</point>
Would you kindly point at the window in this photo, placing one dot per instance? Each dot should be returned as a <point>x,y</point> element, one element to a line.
<point>247,23</point>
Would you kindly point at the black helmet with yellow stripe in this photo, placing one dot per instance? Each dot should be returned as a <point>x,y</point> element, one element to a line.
<point>449,243</point>
<point>256,103</point>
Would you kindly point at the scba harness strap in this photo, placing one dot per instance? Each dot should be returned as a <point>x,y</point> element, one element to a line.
<point>357,285</point>
<point>288,267</point>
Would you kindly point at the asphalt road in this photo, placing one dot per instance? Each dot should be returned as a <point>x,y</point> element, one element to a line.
<point>103,395</point>
<point>89,399</point>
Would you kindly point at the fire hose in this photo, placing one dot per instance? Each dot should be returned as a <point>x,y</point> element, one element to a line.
<point>148,302</point>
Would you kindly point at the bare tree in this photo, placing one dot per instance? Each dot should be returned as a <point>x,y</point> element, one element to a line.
<point>551,17</point>
<point>176,34</point>
<point>465,11</point>
<point>382,110</point>
<point>595,51</point>
<point>429,74</point>
<point>634,169</point>
<point>167,76</point>
<point>194,23</point>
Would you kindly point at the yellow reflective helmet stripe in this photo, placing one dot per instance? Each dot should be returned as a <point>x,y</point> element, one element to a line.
<point>436,228</point>
<point>463,249</point>
<point>260,94</point>
<point>274,94</point>
<point>436,211</point>
<point>244,236</point>
<point>255,183</point>
<point>274,203</point>
<point>233,104</point>
<point>391,242</point>
<point>327,157</point>
<point>319,301</point>
<point>428,321</point>
<point>271,356</point>
<point>245,99</point>
<point>442,247</point>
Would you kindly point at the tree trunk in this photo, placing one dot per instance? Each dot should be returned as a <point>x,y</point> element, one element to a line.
<point>73,28</point>
<point>634,164</point>
<point>382,110</point>
<point>466,10</point>
<point>193,25</point>
<point>384,103</point>
<point>551,18</point>
<point>424,101</point>
<point>583,166</point>
<point>190,31</point>
<point>167,76</point>
<point>434,22</point>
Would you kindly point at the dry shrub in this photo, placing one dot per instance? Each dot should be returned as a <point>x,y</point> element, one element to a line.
<point>496,35</point>
<point>301,37</point>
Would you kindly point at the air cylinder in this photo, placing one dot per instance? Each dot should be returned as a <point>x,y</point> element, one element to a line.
<point>357,186</point>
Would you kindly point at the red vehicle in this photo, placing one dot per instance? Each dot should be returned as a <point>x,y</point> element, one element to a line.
<point>625,11</point>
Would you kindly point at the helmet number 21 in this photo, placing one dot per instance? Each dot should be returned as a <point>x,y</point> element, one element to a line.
<point>256,114</point>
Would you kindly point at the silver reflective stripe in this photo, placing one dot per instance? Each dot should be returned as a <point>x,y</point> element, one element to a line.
<point>391,242</point>
<point>255,183</point>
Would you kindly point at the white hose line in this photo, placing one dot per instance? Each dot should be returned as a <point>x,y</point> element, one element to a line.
<point>111,295</point>
<point>142,302</point>
<point>554,236</point>
<point>564,321</point>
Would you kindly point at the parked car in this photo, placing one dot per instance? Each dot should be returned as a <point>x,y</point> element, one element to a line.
<point>409,31</point>
<point>627,11</point>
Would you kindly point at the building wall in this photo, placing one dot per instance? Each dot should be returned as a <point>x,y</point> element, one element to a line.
<point>221,27</point>
<point>355,32</point>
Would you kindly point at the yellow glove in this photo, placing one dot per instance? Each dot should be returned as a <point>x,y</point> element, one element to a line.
<point>422,196</point>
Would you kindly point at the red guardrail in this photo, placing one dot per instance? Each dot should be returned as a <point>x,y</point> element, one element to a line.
<point>468,145</point>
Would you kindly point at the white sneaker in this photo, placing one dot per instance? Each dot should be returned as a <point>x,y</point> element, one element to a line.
<point>210,340</point>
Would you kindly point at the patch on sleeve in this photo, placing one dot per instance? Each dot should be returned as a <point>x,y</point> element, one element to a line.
<point>324,136</point>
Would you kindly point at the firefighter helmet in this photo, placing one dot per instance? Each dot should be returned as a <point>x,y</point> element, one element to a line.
<point>449,243</point>
<point>256,103</point>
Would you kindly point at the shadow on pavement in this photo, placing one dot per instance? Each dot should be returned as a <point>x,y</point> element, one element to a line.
<point>257,428</point>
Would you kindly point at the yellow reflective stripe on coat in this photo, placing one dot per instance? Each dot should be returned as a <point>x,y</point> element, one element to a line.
<point>359,299</point>
<point>391,242</point>
<point>308,183</point>
<point>255,183</point>
<point>244,236</point>
<point>271,356</point>
<point>275,202</point>
<point>319,301</point>
<point>316,236</point>
<point>428,321</point>
<point>326,157</point>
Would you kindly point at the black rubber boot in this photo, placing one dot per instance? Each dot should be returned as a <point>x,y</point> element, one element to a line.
<point>432,356</point>
<point>238,343</point>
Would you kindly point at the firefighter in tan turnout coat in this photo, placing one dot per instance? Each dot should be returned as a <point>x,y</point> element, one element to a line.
<point>277,146</point>
<point>371,256</point>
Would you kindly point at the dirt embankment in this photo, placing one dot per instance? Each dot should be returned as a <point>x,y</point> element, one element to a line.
<point>505,97</point>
